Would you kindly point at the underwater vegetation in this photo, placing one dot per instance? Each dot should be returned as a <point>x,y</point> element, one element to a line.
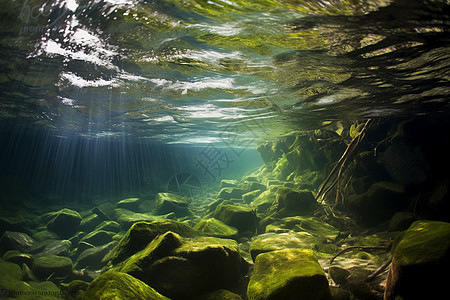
<point>371,225</point>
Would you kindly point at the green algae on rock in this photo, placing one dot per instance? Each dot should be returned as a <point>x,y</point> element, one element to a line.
<point>289,275</point>
<point>142,233</point>
<point>243,218</point>
<point>216,228</point>
<point>220,295</point>
<point>53,265</point>
<point>169,202</point>
<point>423,250</point>
<point>65,222</point>
<point>301,202</point>
<point>116,285</point>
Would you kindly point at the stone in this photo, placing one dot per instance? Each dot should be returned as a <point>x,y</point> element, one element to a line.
<point>263,201</point>
<point>116,285</point>
<point>65,223</point>
<point>98,237</point>
<point>53,265</point>
<point>45,235</point>
<point>378,204</point>
<point>280,241</point>
<point>216,228</point>
<point>105,212</point>
<point>418,261</point>
<point>129,203</point>
<point>231,193</point>
<point>75,288</point>
<point>15,241</point>
<point>58,247</point>
<point>142,233</point>
<point>253,186</point>
<point>302,202</point>
<point>243,218</point>
<point>14,224</point>
<point>312,225</point>
<point>127,218</point>
<point>168,202</point>
<point>220,295</point>
<point>17,257</point>
<point>250,196</point>
<point>83,246</point>
<point>339,275</point>
<point>110,226</point>
<point>401,221</point>
<point>11,279</point>
<point>90,222</point>
<point>288,274</point>
<point>92,257</point>
<point>225,183</point>
<point>199,265</point>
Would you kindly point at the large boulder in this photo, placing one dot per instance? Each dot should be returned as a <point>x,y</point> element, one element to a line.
<point>288,275</point>
<point>142,233</point>
<point>168,202</point>
<point>185,268</point>
<point>378,204</point>
<point>300,202</point>
<point>115,285</point>
<point>243,218</point>
<point>65,223</point>
<point>419,262</point>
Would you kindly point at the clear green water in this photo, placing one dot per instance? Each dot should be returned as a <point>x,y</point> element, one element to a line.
<point>80,77</point>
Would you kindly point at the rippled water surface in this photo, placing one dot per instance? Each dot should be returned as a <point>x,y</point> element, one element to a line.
<point>218,71</point>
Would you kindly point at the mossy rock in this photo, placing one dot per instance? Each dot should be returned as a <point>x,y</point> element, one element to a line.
<point>250,196</point>
<point>243,218</point>
<point>302,202</point>
<point>110,226</point>
<point>90,222</point>
<point>129,203</point>
<point>45,235</point>
<point>220,295</point>
<point>127,218</point>
<point>116,285</point>
<point>11,278</point>
<point>98,237</point>
<point>198,266</point>
<point>289,275</point>
<point>142,233</point>
<point>11,240</point>
<point>75,289</point>
<point>231,193</point>
<point>215,228</point>
<point>312,225</point>
<point>418,261</point>
<point>139,264</point>
<point>92,257</point>
<point>225,183</point>
<point>263,201</point>
<point>280,241</point>
<point>168,202</point>
<point>58,247</point>
<point>17,257</point>
<point>65,222</point>
<point>53,265</point>
<point>45,290</point>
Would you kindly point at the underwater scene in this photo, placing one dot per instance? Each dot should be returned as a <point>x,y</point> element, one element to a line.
<point>224,149</point>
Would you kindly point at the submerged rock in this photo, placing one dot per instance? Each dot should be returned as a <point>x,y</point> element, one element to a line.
<point>52,266</point>
<point>18,257</point>
<point>105,212</point>
<point>280,241</point>
<point>288,274</point>
<point>92,257</point>
<point>312,225</point>
<point>231,193</point>
<point>65,223</point>
<point>302,202</point>
<point>129,203</point>
<point>15,241</point>
<point>58,247</point>
<point>419,261</point>
<point>142,233</point>
<point>242,218</point>
<point>116,285</point>
<point>220,295</point>
<point>216,228</point>
<point>90,222</point>
<point>169,202</point>
<point>98,237</point>
<point>378,204</point>
<point>184,268</point>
